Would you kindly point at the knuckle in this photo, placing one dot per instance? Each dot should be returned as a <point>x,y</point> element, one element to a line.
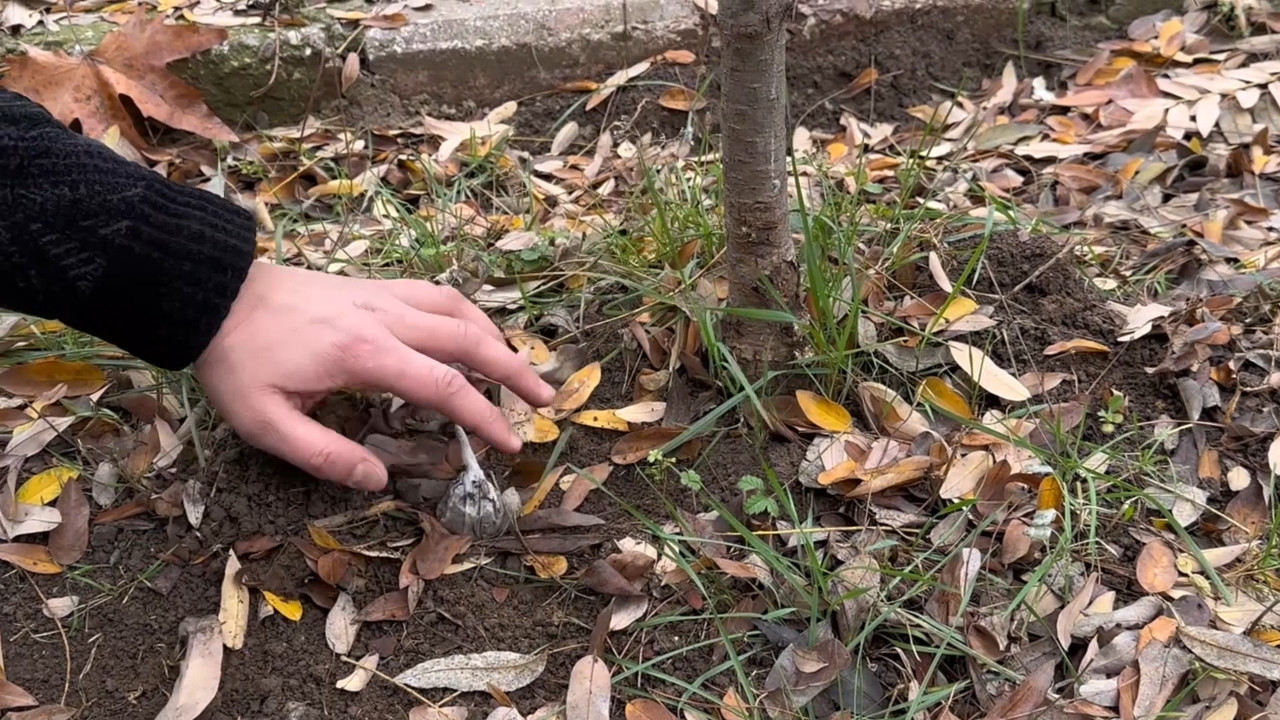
<point>451,384</point>
<point>357,348</point>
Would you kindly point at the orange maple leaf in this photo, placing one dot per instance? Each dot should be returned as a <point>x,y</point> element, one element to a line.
<point>131,62</point>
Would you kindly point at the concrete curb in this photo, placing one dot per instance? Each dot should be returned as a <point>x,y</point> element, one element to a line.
<point>462,56</point>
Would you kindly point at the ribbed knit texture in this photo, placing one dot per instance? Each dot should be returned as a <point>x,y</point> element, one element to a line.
<point>110,248</point>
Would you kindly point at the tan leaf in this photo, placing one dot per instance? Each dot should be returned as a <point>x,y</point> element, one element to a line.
<point>590,690</point>
<point>1027,698</point>
<point>350,71</point>
<point>1157,568</point>
<point>892,415</point>
<point>965,474</point>
<point>646,709</point>
<point>233,612</point>
<point>643,412</point>
<point>1232,652</point>
<point>361,675</point>
<point>1074,609</point>
<point>581,485</point>
<point>1076,345</point>
<point>989,376</point>
<point>201,669</point>
<point>824,413</point>
<point>563,139</point>
<point>507,671</point>
<point>341,625</point>
<point>616,81</point>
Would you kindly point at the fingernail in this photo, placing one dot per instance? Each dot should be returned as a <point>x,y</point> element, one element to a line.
<point>369,477</point>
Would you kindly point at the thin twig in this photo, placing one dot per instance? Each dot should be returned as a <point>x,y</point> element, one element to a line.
<point>66,646</point>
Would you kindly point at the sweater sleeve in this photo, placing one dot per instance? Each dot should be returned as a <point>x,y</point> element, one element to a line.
<point>110,248</point>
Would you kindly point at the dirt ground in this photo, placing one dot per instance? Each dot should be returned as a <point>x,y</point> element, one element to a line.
<point>124,653</point>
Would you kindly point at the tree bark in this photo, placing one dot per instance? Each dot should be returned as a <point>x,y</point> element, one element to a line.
<point>762,268</point>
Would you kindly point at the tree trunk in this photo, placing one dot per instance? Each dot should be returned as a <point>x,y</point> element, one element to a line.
<point>762,268</point>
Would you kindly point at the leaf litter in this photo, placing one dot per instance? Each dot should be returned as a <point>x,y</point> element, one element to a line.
<point>1163,112</point>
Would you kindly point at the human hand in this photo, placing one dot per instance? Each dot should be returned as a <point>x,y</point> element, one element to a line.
<point>293,336</point>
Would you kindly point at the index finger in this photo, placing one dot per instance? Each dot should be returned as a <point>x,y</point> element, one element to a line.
<point>443,300</point>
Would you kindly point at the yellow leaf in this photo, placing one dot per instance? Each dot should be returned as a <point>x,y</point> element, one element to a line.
<point>936,391</point>
<point>538,351</point>
<point>547,566</point>
<point>836,150</point>
<point>544,487</point>
<point>1076,345</point>
<point>957,308</point>
<point>344,186</point>
<point>32,558</point>
<point>823,412</point>
<point>322,538</point>
<point>1050,496</point>
<point>40,377</point>
<point>603,419</point>
<point>577,389</point>
<point>537,429</point>
<point>291,609</point>
<point>990,376</point>
<point>45,487</point>
<point>682,99</point>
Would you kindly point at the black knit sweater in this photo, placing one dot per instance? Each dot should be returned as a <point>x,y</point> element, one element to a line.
<point>110,248</point>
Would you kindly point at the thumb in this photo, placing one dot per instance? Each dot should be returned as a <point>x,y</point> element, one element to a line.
<point>314,448</point>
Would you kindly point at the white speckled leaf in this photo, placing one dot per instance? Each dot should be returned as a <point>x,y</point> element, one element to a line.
<point>508,671</point>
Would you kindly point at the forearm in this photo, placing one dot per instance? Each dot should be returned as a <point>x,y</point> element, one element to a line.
<point>110,248</point>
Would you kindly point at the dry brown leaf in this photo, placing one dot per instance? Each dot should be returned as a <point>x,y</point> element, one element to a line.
<point>68,541</point>
<point>903,472</point>
<point>989,376</point>
<point>437,550</point>
<point>201,669</point>
<point>891,414</point>
<point>1232,652</point>
<point>615,81</point>
<point>1027,698</point>
<point>131,61</point>
<point>233,611</point>
<point>1076,345</point>
<point>626,610</point>
<point>643,412</point>
<point>636,446</point>
<point>605,579</point>
<point>1156,569</point>
<point>581,485</point>
<point>590,690</point>
<point>1072,611</point>
<point>32,558</point>
<point>824,413</point>
<point>390,606</point>
<point>350,71</point>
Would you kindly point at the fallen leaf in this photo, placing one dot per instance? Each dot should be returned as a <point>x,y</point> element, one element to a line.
<point>131,61</point>
<point>609,86</point>
<point>646,709</point>
<point>681,99</point>
<point>350,71</point>
<point>44,712</point>
<point>361,675</point>
<point>936,391</point>
<point>437,550</point>
<point>1027,698</point>
<point>564,137</point>
<point>1072,611</point>
<point>289,608</point>
<point>556,518</point>
<point>106,480</point>
<point>68,541</point>
<point>824,413</point>
<point>201,669</point>
<point>1076,345</point>
<point>581,485</point>
<point>341,625</point>
<point>45,487</point>
<point>1156,568</point>
<point>590,690</point>
<point>577,390</point>
<point>602,419</point>
<point>233,613</point>
<point>428,712</point>
<point>32,558</point>
<point>60,607</point>
<point>986,373</point>
<point>12,696</point>
<point>31,438</point>
<point>643,412</point>
<point>965,474</point>
<point>891,414</point>
<point>800,674</point>
<point>507,671</point>
<point>1228,651</point>
<point>540,493</point>
<point>37,378</point>
<point>390,606</point>
<point>636,446</point>
<point>627,610</point>
<point>547,566</point>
